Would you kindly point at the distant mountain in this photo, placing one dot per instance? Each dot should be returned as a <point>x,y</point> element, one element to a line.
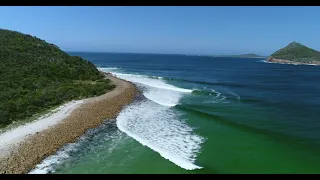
<point>242,56</point>
<point>295,53</point>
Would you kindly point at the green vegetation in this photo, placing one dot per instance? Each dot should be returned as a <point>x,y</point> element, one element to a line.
<point>298,53</point>
<point>36,75</point>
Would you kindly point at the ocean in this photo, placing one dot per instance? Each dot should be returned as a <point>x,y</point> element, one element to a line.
<point>201,114</point>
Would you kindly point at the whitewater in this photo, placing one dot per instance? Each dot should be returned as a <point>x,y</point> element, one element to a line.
<point>152,121</point>
<point>155,124</point>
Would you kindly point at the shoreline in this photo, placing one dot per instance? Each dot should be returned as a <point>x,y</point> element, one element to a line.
<point>37,143</point>
<point>283,61</point>
<point>14,136</point>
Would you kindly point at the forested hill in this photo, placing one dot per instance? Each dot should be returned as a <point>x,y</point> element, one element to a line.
<point>36,75</point>
<point>298,53</point>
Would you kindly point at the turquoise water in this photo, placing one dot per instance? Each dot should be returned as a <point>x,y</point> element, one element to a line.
<point>200,114</point>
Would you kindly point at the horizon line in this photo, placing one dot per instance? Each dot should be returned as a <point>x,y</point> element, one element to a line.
<point>163,53</point>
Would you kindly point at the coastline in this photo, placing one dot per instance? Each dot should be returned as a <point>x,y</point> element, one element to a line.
<point>12,137</point>
<point>283,61</point>
<point>34,145</point>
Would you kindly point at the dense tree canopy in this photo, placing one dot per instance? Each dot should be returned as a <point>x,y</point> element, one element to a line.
<point>36,75</point>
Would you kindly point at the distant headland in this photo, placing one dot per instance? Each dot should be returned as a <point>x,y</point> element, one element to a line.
<point>242,56</point>
<point>295,53</point>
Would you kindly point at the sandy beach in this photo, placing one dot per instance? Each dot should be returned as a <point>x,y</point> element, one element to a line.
<point>27,145</point>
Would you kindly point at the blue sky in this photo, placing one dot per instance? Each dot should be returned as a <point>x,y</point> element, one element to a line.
<point>178,30</point>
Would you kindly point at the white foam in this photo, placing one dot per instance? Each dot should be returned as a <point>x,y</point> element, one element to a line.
<point>159,128</point>
<point>108,68</point>
<point>295,64</point>
<point>156,90</point>
<point>217,93</point>
<point>157,83</point>
<point>162,96</point>
<point>154,124</point>
<point>47,164</point>
<point>63,155</point>
<point>236,95</point>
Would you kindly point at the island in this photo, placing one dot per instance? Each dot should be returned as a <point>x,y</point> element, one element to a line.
<point>49,99</point>
<point>295,53</point>
<point>242,56</point>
